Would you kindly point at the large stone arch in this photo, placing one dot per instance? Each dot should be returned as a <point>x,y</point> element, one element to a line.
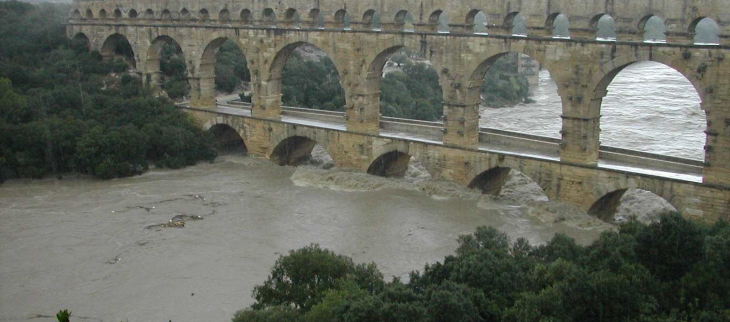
<point>500,169</point>
<point>153,56</point>
<point>296,144</point>
<point>206,61</point>
<point>477,69</point>
<point>80,38</point>
<point>389,159</point>
<point>271,82</point>
<point>605,197</point>
<point>609,70</point>
<point>237,125</point>
<point>116,45</point>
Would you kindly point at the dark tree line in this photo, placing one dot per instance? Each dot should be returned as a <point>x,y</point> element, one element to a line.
<point>61,109</point>
<point>675,270</point>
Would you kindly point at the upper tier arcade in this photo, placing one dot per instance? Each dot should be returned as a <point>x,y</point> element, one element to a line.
<point>679,17</point>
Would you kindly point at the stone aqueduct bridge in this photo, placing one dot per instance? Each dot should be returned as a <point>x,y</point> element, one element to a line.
<point>582,67</point>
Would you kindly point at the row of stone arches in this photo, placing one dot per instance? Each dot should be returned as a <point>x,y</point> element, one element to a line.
<point>393,161</point>
<point>557,25</point>
<point>600,83</point>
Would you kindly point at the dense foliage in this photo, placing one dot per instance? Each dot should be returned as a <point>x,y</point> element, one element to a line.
<point>312,84</point>
<point>503,86</point>
<point>671,271</point>
<point>412,92</point>
<point>231,68</point>
<point>174,71</point>
<point>63,109</point>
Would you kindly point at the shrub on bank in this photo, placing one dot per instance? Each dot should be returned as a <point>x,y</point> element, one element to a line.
<point>673,270</point>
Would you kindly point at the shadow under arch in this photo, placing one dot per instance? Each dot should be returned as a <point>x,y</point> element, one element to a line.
<point>227,139</point>
<point>81,40</point>
<point>390,162</point>
<point>118,46</point>
<point>295,149</point>
<point>492,180</point>
<point>607,204</point>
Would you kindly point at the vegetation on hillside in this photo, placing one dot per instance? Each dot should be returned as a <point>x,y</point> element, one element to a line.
<point>413,91</point>
<point>312,84</point>
<point>675,270</point>
<point>63,109</point>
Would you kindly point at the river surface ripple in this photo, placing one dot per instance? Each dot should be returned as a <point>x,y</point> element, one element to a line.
<point>649,107</point>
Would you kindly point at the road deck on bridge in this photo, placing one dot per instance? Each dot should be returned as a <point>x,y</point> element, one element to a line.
<point>224,107</point>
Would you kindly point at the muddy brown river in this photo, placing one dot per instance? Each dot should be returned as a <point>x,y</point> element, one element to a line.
<point>118,251</point>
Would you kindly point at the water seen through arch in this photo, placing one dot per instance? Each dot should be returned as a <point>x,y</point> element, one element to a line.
<point>649,107</point>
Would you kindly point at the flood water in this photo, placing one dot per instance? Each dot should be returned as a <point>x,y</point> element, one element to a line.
<point>115,251</point>
<point>92,246</point>
<point>649,107</point>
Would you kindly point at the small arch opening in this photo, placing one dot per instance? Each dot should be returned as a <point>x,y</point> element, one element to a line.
<point>203,15</point>
<point>102,14</point>
<point>516,23</point>
<point>76,14</point>
<point>117,14</point>
<point>343,20</point>
<point>621,205</point>
<point>559,25</point>
<point>89,14</point>
<point>269,17</point>
<point>605,27</point>
<point>316,18</point>
<point>132,13</point>
<point>184,14</point>
<point>224,16</point>
<point>166,15</point>
<point>371,20</point>
<point>291,18</point>
<point>149,14</point>
<point>227,139</point>
<point>439,21</point>
<point>706,31</point>
<point>477,22</point>
<point>654,29</point>
<point>391,164</point>
<point>245,16</point>
<point>298,150</point>
<point>405,21</point>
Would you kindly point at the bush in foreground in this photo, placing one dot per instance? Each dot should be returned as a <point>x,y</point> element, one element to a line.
<point>675,270</point>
